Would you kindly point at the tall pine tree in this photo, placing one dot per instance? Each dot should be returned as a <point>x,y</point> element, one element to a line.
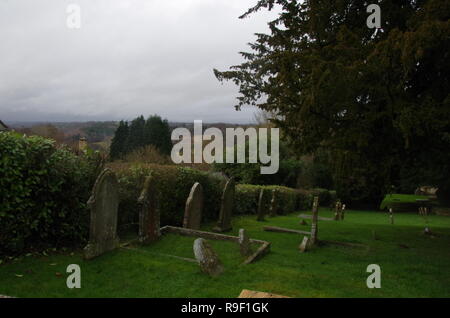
<point>157,133</point>
<point>119,145</point>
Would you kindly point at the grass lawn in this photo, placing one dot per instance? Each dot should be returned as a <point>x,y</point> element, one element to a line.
<point>402,202</point>
<point>412,264</point>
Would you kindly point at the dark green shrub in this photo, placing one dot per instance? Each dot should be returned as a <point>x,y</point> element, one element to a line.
<point>247,196</point>
<point>44,191</point>
<point>325,197</point>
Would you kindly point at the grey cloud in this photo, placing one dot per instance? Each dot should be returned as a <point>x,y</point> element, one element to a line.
<point>129,58</point>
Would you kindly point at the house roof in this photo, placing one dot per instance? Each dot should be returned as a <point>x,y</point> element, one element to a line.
<point>3,126</point>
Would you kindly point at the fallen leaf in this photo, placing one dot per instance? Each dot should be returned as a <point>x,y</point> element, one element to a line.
<point>58,274</point>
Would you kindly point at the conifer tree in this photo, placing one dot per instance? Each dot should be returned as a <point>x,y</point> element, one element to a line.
<point>136,136</point>
<point>119,142</point>
<point>157,133</point>
<point>378,103</point>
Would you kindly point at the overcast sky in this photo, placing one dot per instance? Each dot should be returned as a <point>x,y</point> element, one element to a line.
<point>128,58</point>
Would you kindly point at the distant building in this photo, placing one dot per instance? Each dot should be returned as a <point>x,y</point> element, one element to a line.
<point>3,127</point>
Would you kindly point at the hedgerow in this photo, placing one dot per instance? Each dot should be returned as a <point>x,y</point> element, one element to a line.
<point>44,190</point>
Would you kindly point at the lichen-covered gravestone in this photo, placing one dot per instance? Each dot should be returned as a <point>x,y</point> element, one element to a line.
<point>104,204</point>
<point>226,208</point>
<point>194,208</point>
<point>208,260</point>
<point>391,215</point>
<point>149,218</point>
<point>343,212</point>
<point>261,208</point>
<point>337,210</point>
<point>273,204</point>
<point>244,243</point>
<point>304,245</point>
<point>314,225</point>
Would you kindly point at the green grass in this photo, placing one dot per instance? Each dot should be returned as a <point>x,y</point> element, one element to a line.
<point>412,264</point>
<point>402,202</point>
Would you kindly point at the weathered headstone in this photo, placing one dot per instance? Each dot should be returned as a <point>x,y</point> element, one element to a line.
<point>261,208</point>
<point>226,208</point>
<point>391,216</point>
<point>149,218</point>
<point>342,212</point>
<point>337,210</point>
<point>244,243</point>
<point>273,204</point>
<point>304,245</point>
<point>194,208</point>
<point>104,204</point>
<point>314,225</point>
<point>207,258</point>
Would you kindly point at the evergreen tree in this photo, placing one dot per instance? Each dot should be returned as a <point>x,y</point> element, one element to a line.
<point>136,137</point>
<point>119,142</point>
<point>378,103</point>
<point>157,133</point>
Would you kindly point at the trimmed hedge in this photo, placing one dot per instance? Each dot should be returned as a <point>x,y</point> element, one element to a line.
<point>288,200</point>
<point>173,186</point>
<point>44,191</point>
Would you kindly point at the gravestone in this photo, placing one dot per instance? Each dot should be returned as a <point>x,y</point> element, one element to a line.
<point>226,208</point>
<point>337,210</point>
<point>273,204</point>
<point>194,208</point>
<point>314,224</point>
<point>261,208</point>
<point>343,212</point>
<point>244,243</point>
<point>104,204</point>
<point>149,218</point>
<point>391,216</point>
<point>304,245</point>
<point>207,258</point>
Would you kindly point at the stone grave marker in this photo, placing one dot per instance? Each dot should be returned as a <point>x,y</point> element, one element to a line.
<point>342,212</point>
<point>194,208</point>
<point>391,215</point>
<point>149,218</point>
<point>244,243</point>
<point>314,224</point>
<point>104,204</point>
<point>337,210</point>
<point>304,245</point>
<point>273,204</point>
<point>207,258</point>
<point>226,208</point>
<point>261,208</point>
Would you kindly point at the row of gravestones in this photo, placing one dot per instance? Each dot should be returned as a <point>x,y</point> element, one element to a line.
<point>104,204</point>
